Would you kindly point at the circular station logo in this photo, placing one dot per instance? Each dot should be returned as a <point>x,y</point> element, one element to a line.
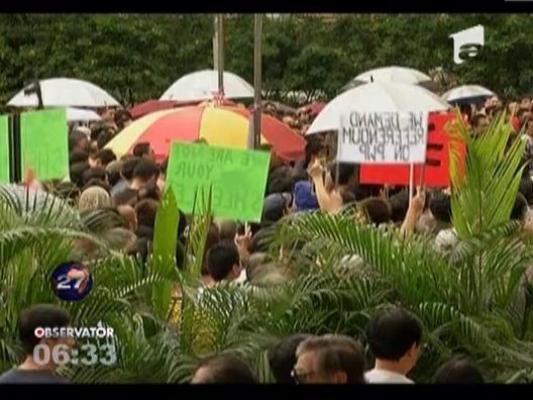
<point>72,281</point>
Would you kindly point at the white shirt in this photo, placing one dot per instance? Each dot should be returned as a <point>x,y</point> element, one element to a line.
<point>384,376</point>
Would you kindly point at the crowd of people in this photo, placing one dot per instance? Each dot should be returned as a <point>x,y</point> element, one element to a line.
<point>394,337</point>
<point>131,188</point>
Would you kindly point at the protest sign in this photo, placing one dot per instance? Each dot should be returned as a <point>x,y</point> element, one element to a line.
<point>383,137</point>
<point>4,149</point>
<point>237,178</point>
<point>435,171</point>
<point>44,144</point>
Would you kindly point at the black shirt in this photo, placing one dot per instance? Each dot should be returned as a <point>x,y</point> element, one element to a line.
<point>28,376</point>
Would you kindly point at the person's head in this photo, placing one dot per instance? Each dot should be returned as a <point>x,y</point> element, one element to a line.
<point>458,370</point>
<point>126,197</point>
<point>146,211</point>
<point>399,204</point>
<point>227,229</point>
<point>67,191</point>
<point>122,119</point>
<point>120,239</point>
<point>97,182</point>
<point>144,173</point>
<point>104,138</point>
<point>394,336</point>
<point>78,156</point>
<point>282,357</point>
<point>129,216</point>
<point>128,166</point>
<point>375,210</point>
<point>441,207</point>
<point>223,261</point>
<point>479,123</point>
<point>42,316</point>
<point>94,173</point>
<point>347,175</point>
<point>78,141</point>
<point>328,359</point>
<point>276,206</point>
<point>77,171</point>
<point>113,172</point>
<point>144,150</point>
<point>225,369</point>
<point>526,188</point>
<point>280,180</point>
<point>313,148</point>
<point>104,157</point>
<point>94,198</point>
<point>520,208</point>
<point>150,191</point>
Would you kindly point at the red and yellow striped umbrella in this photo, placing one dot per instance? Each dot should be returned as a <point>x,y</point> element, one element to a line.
<point>217,125</point>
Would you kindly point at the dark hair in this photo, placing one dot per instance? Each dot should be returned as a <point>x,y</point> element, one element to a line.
<point>336,354</point>
<point>280,180</point>
<point>67,190</point>
<point>164,165</point>
<point>122,116</point>
<point>77,171</point>
<point>141,149</point>
<point>146,211</point>
<point>282,357</point>
<point>104,138</point>
<point>77,156</point>
<point>40,315</point>
<point>377,210</point>
<point>391,332</point>
<point>128,166</point>
<point>150,192</point>
<point>399,204</point>
<point>94,173</point>
<point>75,138</point>
<point>526,188</point>
<point>458,370</point>
<point>105,156</point>
<point>313,148</point>
<point>440,206</point>
<point>520,208</point>
<point>145,170</point>
<point>476,118</point>
<point>126,197</point>
<point>221,258</point>
<point>226,369</point>
<point>97,182</point>
<point>228,229</point>
<point>346,172</point>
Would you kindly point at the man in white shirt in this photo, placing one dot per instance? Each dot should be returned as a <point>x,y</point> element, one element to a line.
<point>394,336</point>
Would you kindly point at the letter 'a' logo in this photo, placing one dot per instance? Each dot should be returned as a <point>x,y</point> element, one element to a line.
<point>466,43</point>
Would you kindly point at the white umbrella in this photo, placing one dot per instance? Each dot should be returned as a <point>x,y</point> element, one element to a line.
<point>376,97</point>
<point>79,115</point>
<point>203,85</point>
<point>65,92</point>
<point>467,93</point>
<point>391,74</point>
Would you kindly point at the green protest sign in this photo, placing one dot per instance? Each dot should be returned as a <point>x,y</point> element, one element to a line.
<point>237,177</point>
<point>44,144</point>
<point>4,149</point>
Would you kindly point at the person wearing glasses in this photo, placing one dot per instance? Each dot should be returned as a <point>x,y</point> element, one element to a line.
<point>329,359</point>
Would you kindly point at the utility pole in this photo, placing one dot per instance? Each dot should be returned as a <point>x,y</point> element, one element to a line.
<point>220,52</point>
<point>258,28</point>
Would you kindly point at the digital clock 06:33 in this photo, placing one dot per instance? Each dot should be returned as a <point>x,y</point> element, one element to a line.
<point>87,354</point>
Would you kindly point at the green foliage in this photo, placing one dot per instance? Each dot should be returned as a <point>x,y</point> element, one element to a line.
<point>136,57</point>
<point>484,197</point>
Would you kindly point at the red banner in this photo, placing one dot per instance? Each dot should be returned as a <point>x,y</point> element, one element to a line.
<point>435,171</point>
